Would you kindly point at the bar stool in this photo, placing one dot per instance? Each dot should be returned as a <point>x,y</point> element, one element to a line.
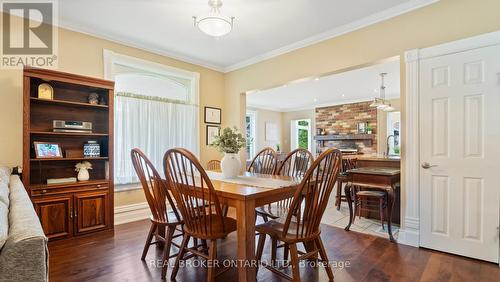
<point>347,164</point>
<point>370,201</point>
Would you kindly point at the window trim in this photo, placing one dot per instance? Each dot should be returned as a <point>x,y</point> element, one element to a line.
<point>253,114</point>
<point>111,58</point>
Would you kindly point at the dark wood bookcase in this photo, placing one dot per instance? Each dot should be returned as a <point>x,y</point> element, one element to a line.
<point>70,209</point>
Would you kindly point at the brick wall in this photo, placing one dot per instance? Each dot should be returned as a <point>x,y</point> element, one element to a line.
<point>344,119</point>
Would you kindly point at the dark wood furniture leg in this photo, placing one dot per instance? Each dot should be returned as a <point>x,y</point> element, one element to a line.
<point>338,197</point>
<point>391,198</point>
<point>347,191</point>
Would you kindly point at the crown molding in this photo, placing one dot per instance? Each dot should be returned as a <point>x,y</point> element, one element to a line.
<point>143,47</point>
<point>359,24</point>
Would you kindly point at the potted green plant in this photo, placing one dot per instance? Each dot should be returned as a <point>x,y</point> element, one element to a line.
<point>230,142</point>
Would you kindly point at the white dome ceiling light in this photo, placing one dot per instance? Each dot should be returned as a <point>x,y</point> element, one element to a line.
<point>214,24</point>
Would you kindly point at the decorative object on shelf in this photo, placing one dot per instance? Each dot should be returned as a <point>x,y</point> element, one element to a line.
<point>47,150</point>
<point>102,101</point>
<point>369,129</point>
<point>362,127</point>
<point>213,115</point>
<point>93,98</point>
<point>318,131</point>
<point>83,170</point>
<point>278,148</point>
<point>212,132</point>
<point>230,142</point>
<point>74,153</point>
<point>91,149</point>
<point>214,24</point>
<point>72,126</point>
<point>45,91</point>
<point>380,102</point>
<point>61,180</point>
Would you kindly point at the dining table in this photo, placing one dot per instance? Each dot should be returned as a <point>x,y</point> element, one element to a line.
<point>245,193</point>
<point>380,178</point>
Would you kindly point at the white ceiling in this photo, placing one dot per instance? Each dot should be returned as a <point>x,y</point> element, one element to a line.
<point>351,86</point>
<point>263,28</point>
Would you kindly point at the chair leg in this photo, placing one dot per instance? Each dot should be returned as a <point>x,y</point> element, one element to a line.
<point>180,256</point>
<point>286,249</point>
<point>260,249</point>
<point>381,211</point>
<point>264,217</point>
<point>274,246</point>
<point>166,251</point>
<point>152,230</point>
<point>212,257</point>
<point>356,208</point>
<point>294,256</point>
<point>225,209</point>
<point>338,198</point>
<point>324,258</point>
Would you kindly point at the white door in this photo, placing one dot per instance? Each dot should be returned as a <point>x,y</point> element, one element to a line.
<point>460,153</point>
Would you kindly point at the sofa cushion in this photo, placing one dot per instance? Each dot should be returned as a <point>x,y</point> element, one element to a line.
<point>4,224</point>
<point>4,193</point>
<point>5,174</point>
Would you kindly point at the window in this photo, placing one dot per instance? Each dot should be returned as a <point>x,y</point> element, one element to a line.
<point>250,134</point>
<point>155,110</point>
<point>301,134</point>
<point>393,136</point>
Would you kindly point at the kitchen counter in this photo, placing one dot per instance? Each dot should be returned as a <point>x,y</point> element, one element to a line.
<point>375,160</point>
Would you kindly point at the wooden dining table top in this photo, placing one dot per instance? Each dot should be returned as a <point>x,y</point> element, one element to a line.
<point>239,191</point>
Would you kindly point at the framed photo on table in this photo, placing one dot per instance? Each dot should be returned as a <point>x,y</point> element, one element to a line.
<point>47,150</point>
<point>213,115</point>
<point>212,132</point>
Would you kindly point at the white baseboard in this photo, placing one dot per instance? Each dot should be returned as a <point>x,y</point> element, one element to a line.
<point>408,237</point>
<point>130,213</point>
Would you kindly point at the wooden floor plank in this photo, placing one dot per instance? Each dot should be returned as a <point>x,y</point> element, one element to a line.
<point>116,257</point>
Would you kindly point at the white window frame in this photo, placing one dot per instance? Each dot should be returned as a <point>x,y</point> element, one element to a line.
<point>295,136</point>
<point>253,146</point>
<point>111,58</point>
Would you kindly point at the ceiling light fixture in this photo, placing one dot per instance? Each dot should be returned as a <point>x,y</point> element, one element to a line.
<point>381,103</point>
<point>214,24</point>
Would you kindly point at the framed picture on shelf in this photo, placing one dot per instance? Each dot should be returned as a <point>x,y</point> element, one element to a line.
<point>362,127</point>
<point>47,150</point>
<point>213,115</point>
<point>212,132</point>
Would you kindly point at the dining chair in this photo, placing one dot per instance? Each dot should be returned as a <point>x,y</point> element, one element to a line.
<point>295,164</point>
<point>347,164</point>
<point>264,162</point>
<point>301,224</point>
<point>199,206</point>
<point>157,196</point>
<point>213,165</point>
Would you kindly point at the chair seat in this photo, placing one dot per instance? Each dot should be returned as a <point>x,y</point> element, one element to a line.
<point>216,226</point>
<point>274,228</point>
<point>272,211</point>
<point>378,194</point>
<point>172,219</point>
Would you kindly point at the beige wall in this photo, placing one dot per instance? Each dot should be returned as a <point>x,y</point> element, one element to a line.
<point>287,118</point>
<point>263,117</point>
<point>444,21</point>
<point>83,54</point>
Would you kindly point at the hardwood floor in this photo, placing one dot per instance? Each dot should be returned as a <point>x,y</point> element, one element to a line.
<point>108,257</point>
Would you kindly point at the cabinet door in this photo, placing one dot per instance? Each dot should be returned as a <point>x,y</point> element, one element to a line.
<point>55,215</point>
<point>91,211</point>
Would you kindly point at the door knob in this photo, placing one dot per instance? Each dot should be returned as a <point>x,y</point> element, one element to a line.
<point>427,165</point>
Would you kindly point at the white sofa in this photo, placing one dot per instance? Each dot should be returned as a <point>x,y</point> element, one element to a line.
<point>23,245</point>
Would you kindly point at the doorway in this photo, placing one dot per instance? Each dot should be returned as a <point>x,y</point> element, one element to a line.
<point>300,130</point>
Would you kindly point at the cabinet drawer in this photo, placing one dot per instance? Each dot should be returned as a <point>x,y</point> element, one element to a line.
<point>64,190</point>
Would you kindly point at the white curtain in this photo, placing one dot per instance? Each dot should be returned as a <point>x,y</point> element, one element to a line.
<point>154,127</point>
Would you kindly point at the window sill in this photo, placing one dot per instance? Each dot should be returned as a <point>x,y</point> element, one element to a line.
<point>127,187</point>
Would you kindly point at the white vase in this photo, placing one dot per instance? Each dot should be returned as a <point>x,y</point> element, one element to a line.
<point>230,165</point>
<point>83,175</point>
